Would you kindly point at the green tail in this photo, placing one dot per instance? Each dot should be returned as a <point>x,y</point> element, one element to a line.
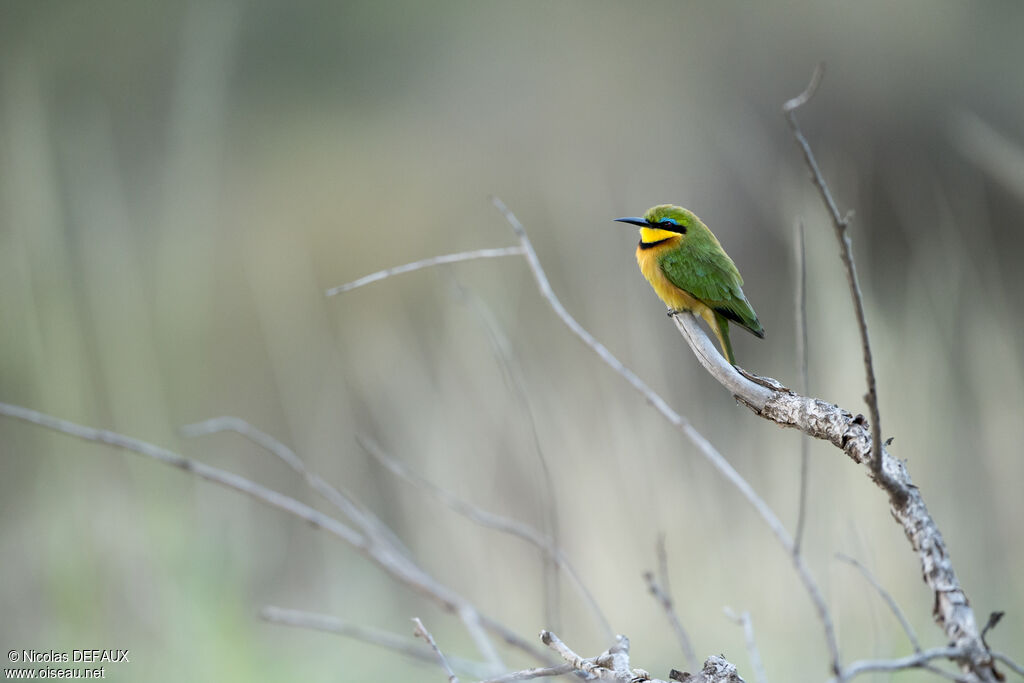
<point>723,336</point>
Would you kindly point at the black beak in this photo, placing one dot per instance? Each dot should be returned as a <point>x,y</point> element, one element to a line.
<point>632,221</point>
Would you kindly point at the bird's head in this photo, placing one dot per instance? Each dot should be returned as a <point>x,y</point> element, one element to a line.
<point>663,222</point>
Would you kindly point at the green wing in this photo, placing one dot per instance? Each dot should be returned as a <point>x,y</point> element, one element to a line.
<point>711,276</point>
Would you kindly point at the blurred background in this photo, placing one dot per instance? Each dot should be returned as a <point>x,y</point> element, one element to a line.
<point>180,182</point>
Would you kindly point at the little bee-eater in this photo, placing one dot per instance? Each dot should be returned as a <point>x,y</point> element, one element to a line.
<point>690,271</point>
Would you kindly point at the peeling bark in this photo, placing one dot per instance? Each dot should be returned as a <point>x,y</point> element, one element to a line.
<point>850,433</point>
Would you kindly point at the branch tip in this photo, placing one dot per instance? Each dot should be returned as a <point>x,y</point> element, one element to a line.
<point>803,98</point>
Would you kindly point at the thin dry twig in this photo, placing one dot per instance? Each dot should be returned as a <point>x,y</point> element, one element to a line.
<point>373,636</point>
<point>665,600</point>
<point>914,661</point>
<point>993,621</point>
<point>566,653</point>
<point>529,674</point>
<point>379,552</point>
<point>801,354</point>
<point>613,665</point>
<point>889,600</point>
<point>662,592</point>
<point>743,619</point>
<point>841,224</point>
<point>1017,668</point>
<point>342,500</point>
<point>488,520</point>
<point>663,578</point>
<point>421,632</point>
<point>610,665</point>
<point>203,471</point>
<point>426,263</point>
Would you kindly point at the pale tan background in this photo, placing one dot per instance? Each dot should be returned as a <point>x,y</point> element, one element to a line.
<point>181,181</point>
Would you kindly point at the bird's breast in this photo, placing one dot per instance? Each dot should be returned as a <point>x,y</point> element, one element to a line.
<point>674,298</point>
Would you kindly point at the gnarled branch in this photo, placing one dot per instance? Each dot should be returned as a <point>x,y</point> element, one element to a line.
<point>851,434</point>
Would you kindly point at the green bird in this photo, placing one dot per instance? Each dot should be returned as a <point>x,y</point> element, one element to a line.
<point>690,271</point>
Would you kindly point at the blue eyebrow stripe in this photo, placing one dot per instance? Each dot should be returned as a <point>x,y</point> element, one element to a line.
<point>669,220</point>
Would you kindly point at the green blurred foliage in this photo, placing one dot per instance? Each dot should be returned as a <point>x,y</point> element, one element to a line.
<point>180,182</point>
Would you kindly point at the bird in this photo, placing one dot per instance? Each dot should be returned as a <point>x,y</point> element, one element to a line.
<point>690,271</point>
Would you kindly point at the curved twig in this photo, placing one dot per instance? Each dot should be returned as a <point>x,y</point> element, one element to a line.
<point>426,263</point>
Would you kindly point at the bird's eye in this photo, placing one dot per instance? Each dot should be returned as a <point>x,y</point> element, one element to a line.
<point>669,224</point>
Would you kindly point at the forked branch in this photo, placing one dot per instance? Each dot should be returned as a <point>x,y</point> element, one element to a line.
<point>841,225</point>
<point>952,611</point>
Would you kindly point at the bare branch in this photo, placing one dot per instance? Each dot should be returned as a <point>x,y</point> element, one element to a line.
<point>421,632</point>
<point>203,471</point>
<point>993,621</point>
<point>825,421</point>
<point>661,552</point>
<point>1017,668</point>
<point>426,263</point>
<point>566,653</point>
<point>736,380</point>
<point>665,600</point>
<point>368,522</point>
<point>659,588</point>
<point>528,674</point>
<point>610,665</point>
<point>804,97</point>
<point>952,611</point>
<point>385,639</point>
<point>716,670</point>
<point>752,393</point>
<point>486,519</point>
<point>745,622</point>
<point>913,661</point>
<point>382,554</point>
<point>662,591</point>
<point>382,540</point>
<point>889,600</point>
<point>613,665</point>
<point>841,224</point>
<point>801,354</point>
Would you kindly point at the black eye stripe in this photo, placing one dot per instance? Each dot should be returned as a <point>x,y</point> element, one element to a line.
<point>672,226</point>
